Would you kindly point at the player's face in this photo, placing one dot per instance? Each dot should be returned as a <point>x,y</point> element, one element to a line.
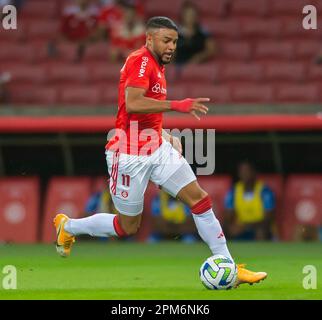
<point>164,44</point>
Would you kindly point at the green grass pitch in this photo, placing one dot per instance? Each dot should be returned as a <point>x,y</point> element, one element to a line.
<point>169,270</point>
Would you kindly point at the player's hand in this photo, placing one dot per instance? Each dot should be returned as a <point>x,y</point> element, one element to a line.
<point>198,107</point>
<point>192,106</point>
<point>176,143</point>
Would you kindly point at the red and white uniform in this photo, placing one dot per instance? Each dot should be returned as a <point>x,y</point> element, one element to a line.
<point>141,70</point>
<point>137,152</point>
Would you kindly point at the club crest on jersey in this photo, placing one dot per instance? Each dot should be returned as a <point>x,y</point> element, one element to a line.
<point>143,66</point>
<point>157,88</point>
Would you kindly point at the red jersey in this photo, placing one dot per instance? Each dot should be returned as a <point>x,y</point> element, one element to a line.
<point>142,133</point>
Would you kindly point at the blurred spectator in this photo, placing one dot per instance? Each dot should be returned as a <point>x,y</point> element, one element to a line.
<point>195,45</point>
<point>249,207</point>
<point>307,233</point>
<point>4,79</point>
<point>78,25</point>
<point>170,219</point>
<point>124,26</point>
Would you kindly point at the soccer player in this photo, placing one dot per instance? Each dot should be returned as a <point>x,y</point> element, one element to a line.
<point>141,151</point>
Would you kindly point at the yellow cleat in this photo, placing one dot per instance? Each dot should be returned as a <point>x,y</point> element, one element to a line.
<point>247,276</point>
<point>64,240</point>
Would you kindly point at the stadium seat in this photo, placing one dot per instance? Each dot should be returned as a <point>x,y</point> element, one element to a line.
<point>178,91</point>
<point>242,72</point>
<point>252,93</point>
<point>81,95</point>
<point>276,184</point>
<point>27,74</point>
<point>64,195</point>
<point>211,9</point>
<point>216,186</point>
<point>274,50</point>
<point>291,72</point>
<point>223,28</point>
<point>288,7</point>
<point>19,210</point>
<point>169,8</point>
<point>292,28</point>
<point>13,53</point>
<point>302,203</point>
<point>308,49</point>
<point>260,28</point>
<point>42,29</point>
<point>33,94</point>
<point>247,8</point>
<point>203,73</point>
<point>62,73</point>
<point>104,72</point>
<point>307,93</point>
<point>39,9</point>
<point>240,50</point>
<point>216,93</point>
<point>315,73</point>
<point>110,93</point>
<point>98,52</point>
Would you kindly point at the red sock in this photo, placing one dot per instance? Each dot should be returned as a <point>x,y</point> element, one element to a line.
<point>118,229</point>
<point>202,206</point>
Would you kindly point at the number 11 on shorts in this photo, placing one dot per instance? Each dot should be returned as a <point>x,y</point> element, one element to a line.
<point>125,180</point>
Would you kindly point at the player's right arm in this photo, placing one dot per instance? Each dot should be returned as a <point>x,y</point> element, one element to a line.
<point>137,102</point>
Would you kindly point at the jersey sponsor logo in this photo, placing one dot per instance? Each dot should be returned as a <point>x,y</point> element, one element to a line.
<point>144,63</point>
<point>157,88</point>
<point>159,75</point>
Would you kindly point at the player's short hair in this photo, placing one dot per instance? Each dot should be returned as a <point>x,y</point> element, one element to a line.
<point>161,22</point>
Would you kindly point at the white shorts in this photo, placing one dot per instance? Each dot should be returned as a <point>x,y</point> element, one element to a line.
<point>130,174</point>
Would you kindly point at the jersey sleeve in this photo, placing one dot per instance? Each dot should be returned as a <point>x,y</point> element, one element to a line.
<point>139,72</point>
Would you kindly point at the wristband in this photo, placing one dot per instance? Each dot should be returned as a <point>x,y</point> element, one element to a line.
<point>182,105</point>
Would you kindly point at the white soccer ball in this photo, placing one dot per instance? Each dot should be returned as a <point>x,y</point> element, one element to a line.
<point>218,273</point>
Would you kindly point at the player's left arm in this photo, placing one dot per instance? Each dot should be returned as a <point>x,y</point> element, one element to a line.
<point>176,143</point>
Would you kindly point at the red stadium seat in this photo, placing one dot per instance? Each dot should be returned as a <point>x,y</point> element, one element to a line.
<point>297,93</point>
<point>216,186</point>
<point>247,8</point>
<point>261,28</point>
<point>223,28</point>
<point>170,8</point>
<point>68,73</point>
<point>26,74</point>
<point>285,71</point>
<point>33,94</point>
<point>235,50</point>
<point>110,93</point>
<point>64,195</point>
<point>199,73</point>
<point>13,53</point>
<point>242,72</point>
<point>288,7</point>
<point>42,29</point>
<point>308,49</point>
<point>274,49</point>
<point>315,73</point>
<point>252,93</point>
<point>216,93</point>
<point>80,95</point>
<point>105,72</point>
<point>302,203</point>
<point>19,210</point>
<point>178,91</point>
<point>39,9</point>
<point>212,8</point>
<point>293,28</point>
<point>98,52</point>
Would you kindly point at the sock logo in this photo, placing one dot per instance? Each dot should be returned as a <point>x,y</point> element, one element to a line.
<point>221,235</point>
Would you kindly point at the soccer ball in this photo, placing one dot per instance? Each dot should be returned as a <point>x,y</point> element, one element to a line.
<point>218,272</point>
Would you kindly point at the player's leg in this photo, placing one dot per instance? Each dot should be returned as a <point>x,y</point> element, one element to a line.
<point>207,224</point>
<point>127,195</point>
